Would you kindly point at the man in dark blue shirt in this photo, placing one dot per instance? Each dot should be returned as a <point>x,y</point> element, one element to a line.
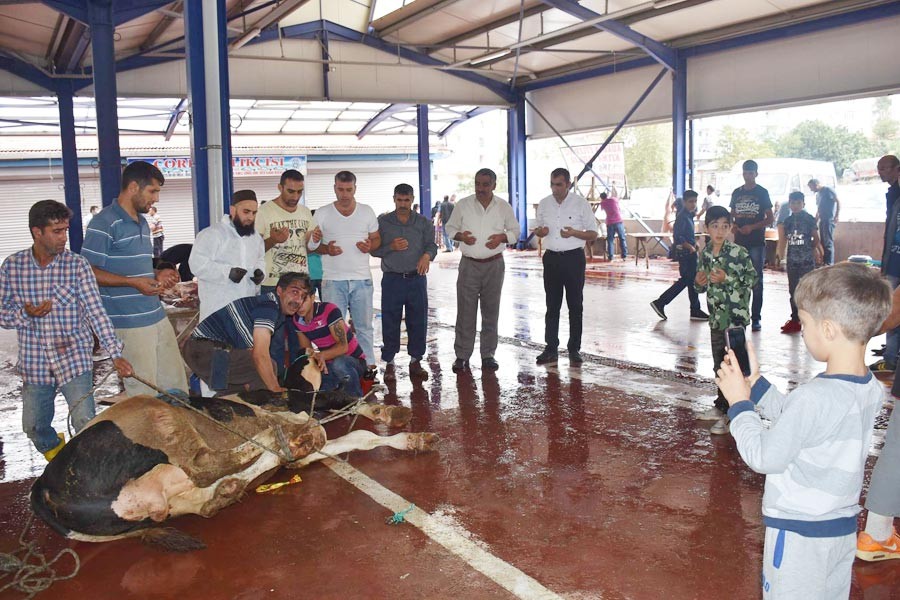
<point>828,207</point>
<point>889,170</point>
<point>684,250</point>
<point>751,209</point>
<point>798,240</point>
<point>240,347</point>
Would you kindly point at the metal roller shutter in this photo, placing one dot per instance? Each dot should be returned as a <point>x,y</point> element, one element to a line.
<point>375,181</point>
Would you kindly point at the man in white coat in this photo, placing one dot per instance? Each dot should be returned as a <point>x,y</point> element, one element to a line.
<point>229,258</point>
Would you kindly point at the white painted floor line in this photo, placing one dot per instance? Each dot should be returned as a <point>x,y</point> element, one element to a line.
<point>449,536</point>
<point>622,384</point>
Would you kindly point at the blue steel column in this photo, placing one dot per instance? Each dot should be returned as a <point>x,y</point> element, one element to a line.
<point>70,161</point>
<point>193,21</point>
<point>100,18</point>
<point>679,124</point>
<point>225,94</point>
<point>424,160</point>
<point>515,139</point>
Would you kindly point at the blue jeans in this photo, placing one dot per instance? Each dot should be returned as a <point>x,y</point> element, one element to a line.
<point>826,235</point>
<point>347,371</point>
<point>38,409</point>
<point>355,295</point>
<point>758,258</point>
<point>612,231</point>
<point>687,271</point>
<point>892,343</point>
<point>399,293</point>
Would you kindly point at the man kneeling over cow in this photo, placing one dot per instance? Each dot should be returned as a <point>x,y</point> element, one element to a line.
<point>241,346</point>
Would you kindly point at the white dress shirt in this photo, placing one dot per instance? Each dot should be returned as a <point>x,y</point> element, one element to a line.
<point>574,211</point>
<point>218,249</point>
<point>469,215</point>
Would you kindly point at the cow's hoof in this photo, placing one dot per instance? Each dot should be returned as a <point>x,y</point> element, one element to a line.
<point>392,416</point>
<point>423,441</point>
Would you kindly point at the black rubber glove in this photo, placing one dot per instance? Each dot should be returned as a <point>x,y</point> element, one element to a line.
<point>236,274</point>
<point>258,277</point>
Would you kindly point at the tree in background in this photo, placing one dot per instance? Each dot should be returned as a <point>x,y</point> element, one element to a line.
<point>819,141</point>
<point>885,129</point>
<point>737,144</point>
<point>648,155</point>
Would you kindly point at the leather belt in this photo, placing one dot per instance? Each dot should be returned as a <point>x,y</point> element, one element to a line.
<point>408,275</point>
<point>564,251</point>
<point>485,260</point>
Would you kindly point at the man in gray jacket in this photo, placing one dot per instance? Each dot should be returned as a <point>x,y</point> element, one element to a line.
<point>406,251</point>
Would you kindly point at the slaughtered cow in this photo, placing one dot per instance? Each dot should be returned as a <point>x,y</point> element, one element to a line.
<point>147,459</point>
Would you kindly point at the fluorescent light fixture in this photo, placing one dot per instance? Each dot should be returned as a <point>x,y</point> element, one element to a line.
<point>246,38</point>
<point>585,24</point>
<point>489,57</point>
<point>666,3</point>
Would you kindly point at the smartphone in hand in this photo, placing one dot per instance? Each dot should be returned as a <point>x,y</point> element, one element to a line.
<point>735,341</point>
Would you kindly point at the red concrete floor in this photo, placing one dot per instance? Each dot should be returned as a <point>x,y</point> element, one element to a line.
<point>591,483</point>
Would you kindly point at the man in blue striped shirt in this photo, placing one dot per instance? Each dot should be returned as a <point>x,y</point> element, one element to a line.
<point>119,246</point>
<point>49,296</point>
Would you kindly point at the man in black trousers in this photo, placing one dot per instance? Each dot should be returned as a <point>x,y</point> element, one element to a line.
<point>566,222</point>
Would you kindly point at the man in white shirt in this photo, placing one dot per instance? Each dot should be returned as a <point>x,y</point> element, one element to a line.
<point>566,222</point>
<point>344,233</point>
<point>228,258</point>
<point>284,224</point>
<point>483,224</point>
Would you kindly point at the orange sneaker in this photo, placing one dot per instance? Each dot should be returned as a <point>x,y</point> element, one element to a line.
<point>871,550</point>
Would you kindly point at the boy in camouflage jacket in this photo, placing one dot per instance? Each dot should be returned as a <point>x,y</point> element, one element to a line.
<point>726,274</point>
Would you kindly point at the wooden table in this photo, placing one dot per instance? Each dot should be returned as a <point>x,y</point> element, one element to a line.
<point>641,239</point>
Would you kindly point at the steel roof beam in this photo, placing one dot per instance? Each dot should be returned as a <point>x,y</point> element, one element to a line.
<point>385,114</point>
<point>414,17</point>
<point>339,32</point>
<point>161,26</point>
<point>663,54</point>
<point>73,47</point>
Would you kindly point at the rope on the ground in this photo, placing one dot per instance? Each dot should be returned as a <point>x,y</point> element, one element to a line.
<point>399,517</point>
<point>32,573</point>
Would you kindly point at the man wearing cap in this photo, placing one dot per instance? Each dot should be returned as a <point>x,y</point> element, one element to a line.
<point>229,257</point>
<point>751,209</point>
<point>406,251</point>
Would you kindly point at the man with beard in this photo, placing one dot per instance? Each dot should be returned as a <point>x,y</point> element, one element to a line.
<point>283,224</point>
<point>49,296</point>
<point>228,258</point>
<point>118,246</point>
<point>237,347</point>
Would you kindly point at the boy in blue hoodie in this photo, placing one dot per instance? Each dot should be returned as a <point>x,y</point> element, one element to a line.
<point>814,453</point>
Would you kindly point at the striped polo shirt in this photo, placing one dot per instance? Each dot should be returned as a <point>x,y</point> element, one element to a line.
<point>233,324</point>
<point>117,243</point>
<point>318,329</point>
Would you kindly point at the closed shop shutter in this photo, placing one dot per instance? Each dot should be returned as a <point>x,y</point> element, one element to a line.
<point>17,197</point>
<point>176,209</point>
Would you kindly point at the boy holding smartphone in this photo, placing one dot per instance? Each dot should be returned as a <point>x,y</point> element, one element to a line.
<point>814,453</point>
<point>726,275</point>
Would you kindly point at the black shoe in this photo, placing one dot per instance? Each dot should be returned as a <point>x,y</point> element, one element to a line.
<point>460,365</point>
<point>389,373</point>
<point>489,364</point>
<point>416,371</point>
<point>756,326</point>
<point>575,358</point>
<point>876,352</point>
<point>659,309</point>
<point>547,357</point>
<point>699,316</point>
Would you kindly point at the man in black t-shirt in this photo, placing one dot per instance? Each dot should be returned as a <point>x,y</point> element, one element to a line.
<point>751,210</point>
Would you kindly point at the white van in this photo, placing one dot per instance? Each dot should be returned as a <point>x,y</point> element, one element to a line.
<point>781,176</point>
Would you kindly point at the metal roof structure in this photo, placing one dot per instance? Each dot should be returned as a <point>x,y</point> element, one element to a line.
<point>379,58</point>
